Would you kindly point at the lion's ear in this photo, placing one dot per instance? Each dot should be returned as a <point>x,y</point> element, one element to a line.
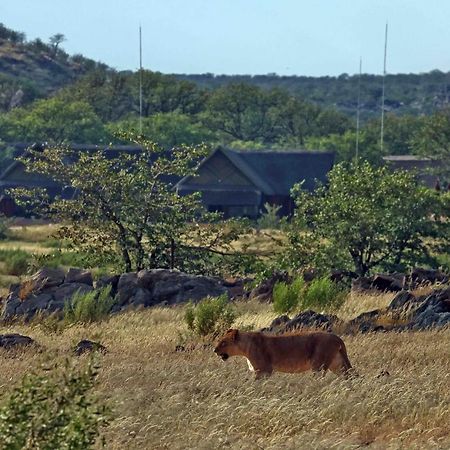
<point>234,334</point>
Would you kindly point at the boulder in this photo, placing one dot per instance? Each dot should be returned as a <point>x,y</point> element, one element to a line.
<point>14,340</point>
<point>108,280</point>
<point>68,290</point>
<point>391,282</point>
<point>263,292</point>
<point>87,346</point>
<point>306,319</point>
<point>79,276</point>
<point>48,277</point>
<point>126,287</point>
<point>428,276</point>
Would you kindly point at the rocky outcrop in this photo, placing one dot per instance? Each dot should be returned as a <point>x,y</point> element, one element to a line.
<point>48,290</point>
<point>306,319</point>
<point>396,282</point>
<point>405,312</point>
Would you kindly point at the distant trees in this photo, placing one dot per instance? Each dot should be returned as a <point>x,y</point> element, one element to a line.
<point>368,218</point>
<point>53,120</point>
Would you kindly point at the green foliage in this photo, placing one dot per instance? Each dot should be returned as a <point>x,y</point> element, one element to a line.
<point>54,409</point>
<point>16,261</point>
<point>211,316</point>
<point>92,306</point>
<point>168,129</point>
<point>286,296</point>
<point>366,218</point>
<point>269,219</point>
<point>323,293</point>
<point>55,120</point>
<point>127,214</point>
<point>433,140</point>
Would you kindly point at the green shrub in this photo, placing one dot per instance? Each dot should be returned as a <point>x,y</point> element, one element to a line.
<point>269,218</point>
<point>323,293</point>
<point>53,410</point>
<point>16,261</point>
<point>90,306</point>
<point>287,296</point>
<point>211,316</point>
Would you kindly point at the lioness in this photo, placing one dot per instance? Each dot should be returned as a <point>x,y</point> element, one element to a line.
<point>296,352</point>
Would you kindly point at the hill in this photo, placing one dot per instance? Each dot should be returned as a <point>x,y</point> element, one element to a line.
<point>34,69</point>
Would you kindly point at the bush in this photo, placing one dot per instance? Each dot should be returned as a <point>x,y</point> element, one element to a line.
<point>55,410</point>
<point>16,261</point>
<point>287,296</point>
<point>323,293</point>
<point>211,316</point>
<point>90,306</point>
<point>269,218</point>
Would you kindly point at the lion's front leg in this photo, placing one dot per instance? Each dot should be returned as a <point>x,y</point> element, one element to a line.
<point>260,373</point>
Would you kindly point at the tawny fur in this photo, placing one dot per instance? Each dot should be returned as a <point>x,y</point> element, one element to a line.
<point>293,353</point>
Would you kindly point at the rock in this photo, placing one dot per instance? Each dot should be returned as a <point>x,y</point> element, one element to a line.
<point>311,319</point>
<point>68,290</point>
<point>278,324</point>
<point>364,323</point>
<point>391,282</point>
<point>126,287</point>
<point>401,300</point>
<point>339,276</point>
<point>86,345</point>
<point>141,297</point>
<point>263,292</point>
<point>9,341</point>
<point>147,279</point>
<point>79,276</point>
<point>428,276</point>
<point>362,284</point>
<point>10,307</point>
<point>108,280</point>
<point>48,277</point>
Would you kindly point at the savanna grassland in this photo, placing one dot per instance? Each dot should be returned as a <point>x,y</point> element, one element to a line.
<point>161,398</point>
<point>164,399</point>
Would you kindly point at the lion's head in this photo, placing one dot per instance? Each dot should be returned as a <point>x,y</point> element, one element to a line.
<point>226,347</point>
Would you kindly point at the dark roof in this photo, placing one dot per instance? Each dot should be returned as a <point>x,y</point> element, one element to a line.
<point>275,172</point>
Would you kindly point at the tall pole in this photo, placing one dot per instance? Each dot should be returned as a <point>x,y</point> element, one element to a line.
<point>358,111</point>
<point>383,89</point>
<point>140,80</point>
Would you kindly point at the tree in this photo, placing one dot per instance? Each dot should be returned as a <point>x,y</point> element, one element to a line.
<point>366,218</point>
<point>169,129</point>
<point>55,41</point>
<point>433,139</point>
<point>54,120</point>
<point>126,212</point>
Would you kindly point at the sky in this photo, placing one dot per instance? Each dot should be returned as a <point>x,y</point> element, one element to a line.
<point>287,37</point>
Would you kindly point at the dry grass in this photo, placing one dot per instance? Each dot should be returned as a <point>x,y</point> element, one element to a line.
<point>192,400</point>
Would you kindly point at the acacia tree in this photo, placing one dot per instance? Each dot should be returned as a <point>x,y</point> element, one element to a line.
<point>124,209</point>
<point>368,218</point>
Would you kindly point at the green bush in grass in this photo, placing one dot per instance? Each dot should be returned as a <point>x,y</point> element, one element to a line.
<point>323,293</point>
<point>211,316</point>
<point>16,261</point>
<point>54,409</point>
<point>287,296</point>
<point>90,306</point>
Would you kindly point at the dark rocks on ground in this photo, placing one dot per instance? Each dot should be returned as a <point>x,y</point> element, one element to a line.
<point>49,289</point>
<point>306,319</point>
<point>263,292</point>
<point>85,346</point>
<point>391,282</point>
<point>428,276</point>
<point>14,340</point>
<point>79,276</point>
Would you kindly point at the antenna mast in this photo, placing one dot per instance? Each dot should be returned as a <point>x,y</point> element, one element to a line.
<point>358,111</point>
<point>383,89</point>
<point>140,80</point>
